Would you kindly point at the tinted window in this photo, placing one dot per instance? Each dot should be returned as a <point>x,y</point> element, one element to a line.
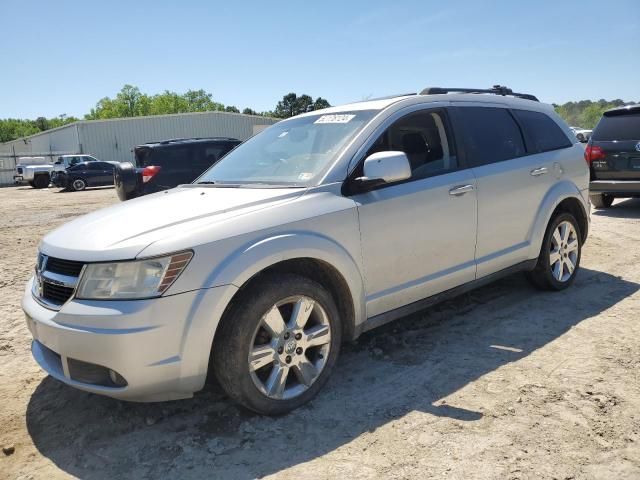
<point>540,132</point>
<point>618,127</point>
<point>169,157</point>
<point>490,135</point>
<point>103,165</point>
<point>207,155</point>
<point>422,136</point>
<point>94,166</point>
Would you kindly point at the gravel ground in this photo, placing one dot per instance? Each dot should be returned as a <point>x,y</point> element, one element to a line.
<point>504,382</point>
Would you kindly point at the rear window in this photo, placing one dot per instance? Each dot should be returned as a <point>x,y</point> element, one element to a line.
<point>541,133</point>
<point>490,135</point>
<point>618,127</point>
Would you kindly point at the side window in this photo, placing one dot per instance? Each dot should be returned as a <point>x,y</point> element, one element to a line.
<point>423,137</point>
<point>541,133</point>
<point>178,158</point>
<point>94,166</point>
<point>208,155</point>
<point>74,161</point>
<point>490,135</point>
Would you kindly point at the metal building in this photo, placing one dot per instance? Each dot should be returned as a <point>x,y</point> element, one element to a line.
<point>114,139</point>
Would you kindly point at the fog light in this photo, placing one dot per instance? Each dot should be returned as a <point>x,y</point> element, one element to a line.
<point>117,379</point>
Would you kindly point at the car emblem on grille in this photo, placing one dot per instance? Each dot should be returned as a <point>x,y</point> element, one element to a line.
<point>41,264</point>
<point>638,147</point>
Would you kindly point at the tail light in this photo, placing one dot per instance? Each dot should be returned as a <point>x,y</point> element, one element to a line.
<point>593,152</point>
<point>149,172</point>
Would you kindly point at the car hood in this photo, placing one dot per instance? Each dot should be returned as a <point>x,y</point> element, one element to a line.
<point>122,231</point>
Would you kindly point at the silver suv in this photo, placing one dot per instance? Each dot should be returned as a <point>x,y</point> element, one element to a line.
<point>319,228</point>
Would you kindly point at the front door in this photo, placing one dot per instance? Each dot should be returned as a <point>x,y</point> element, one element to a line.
<point>418,237</point>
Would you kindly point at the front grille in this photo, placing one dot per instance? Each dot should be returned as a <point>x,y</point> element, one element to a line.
<point>64,267</point>
<point>56,293</point>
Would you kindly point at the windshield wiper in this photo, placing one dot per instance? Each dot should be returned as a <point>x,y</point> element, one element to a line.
<point>206,182</point>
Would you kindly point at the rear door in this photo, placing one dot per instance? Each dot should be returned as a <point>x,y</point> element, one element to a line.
<point>106,172</point>
<point>618,135</point>
<point>511,184</point>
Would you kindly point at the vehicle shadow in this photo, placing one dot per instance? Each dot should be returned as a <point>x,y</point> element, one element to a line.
<point>88,189</point>
<point>623,208</point>
<point>402,368</point>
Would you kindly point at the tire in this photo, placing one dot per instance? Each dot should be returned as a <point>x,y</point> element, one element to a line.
<point>32,184</point>
<point>601,200</point>
<point>561,273</point>
<point>580,137</point>
<point>127,180</point>
<point>244,328</point>
<point>78,184</point>
<point>41,181</point>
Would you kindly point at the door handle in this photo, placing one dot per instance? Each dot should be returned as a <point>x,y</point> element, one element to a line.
<point>536,172</point>
<point>460,190</point>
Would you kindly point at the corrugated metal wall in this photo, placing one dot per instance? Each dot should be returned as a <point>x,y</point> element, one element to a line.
<point>114,139</point>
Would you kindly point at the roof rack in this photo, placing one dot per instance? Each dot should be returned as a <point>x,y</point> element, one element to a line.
<point>495,90</point>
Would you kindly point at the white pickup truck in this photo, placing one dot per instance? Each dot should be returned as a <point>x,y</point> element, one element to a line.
<point>36,171</point>
<point>39,172</point>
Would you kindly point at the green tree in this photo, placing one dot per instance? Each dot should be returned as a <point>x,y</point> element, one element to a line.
<point>248,111</point>
<point>292,104</point>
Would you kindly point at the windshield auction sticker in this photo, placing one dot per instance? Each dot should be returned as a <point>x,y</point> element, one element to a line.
<point>335,119</point>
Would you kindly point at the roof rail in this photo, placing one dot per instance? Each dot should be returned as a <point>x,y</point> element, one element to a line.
<point>495,90</point>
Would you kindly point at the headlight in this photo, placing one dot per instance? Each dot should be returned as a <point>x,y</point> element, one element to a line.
<point>136,279</point>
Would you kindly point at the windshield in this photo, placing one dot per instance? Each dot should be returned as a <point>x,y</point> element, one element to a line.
<point>296,152</point>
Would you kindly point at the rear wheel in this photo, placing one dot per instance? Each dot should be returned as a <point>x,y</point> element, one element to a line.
<point>276,348</point>
<point>601,200</point>
<point>41,181</point>
<point>559,257</point>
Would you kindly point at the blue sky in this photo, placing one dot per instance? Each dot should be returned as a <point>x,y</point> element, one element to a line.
<point>63,56</point>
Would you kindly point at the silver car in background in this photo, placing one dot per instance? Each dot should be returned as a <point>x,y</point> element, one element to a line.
<point>321,227</point>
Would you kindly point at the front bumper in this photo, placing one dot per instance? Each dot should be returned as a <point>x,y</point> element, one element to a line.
<point>160,347</point>
<point>621,188</point>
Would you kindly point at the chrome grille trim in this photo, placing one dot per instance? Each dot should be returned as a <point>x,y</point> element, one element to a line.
<point>54,289</point>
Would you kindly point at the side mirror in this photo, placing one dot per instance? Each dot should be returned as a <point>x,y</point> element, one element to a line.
<point>381,168</point>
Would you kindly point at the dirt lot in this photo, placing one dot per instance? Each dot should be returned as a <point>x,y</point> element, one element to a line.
<point>505,382</point>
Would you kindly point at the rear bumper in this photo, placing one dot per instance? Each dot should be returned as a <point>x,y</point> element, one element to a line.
<point>159,347</point>
<point>617,187</point>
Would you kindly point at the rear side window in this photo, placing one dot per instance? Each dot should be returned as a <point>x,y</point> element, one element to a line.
<point>207,155</point>
<point>541,133</point>
<point>490,135</point>
<point>618,127</point>
<point>168,157</point>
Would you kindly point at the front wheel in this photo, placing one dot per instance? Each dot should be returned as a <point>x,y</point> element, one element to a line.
<point>276,348</point>
<point>601,200</point>
<point>559,258</point>
<point>78,184</point>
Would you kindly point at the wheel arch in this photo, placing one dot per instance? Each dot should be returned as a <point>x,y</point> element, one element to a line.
<point>563,197</point>
<point>307,254</point>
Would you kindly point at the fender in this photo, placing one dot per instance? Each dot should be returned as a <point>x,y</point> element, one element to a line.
<point>252,258</point>
<point>559,192</point>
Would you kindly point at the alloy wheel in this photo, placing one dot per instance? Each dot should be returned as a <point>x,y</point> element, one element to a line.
<point>290,347</point>
<point>563,254</point>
